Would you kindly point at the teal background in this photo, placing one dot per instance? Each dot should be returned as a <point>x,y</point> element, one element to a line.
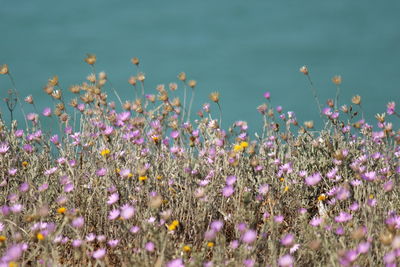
<point>239,48</point>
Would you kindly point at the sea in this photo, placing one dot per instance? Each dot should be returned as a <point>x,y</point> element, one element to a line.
<point>240,49</point>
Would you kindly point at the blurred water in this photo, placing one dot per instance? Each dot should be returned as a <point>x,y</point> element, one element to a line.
<point>239,48</point>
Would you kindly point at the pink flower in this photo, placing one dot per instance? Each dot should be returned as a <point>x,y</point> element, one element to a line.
<point>4,147</point>
<point>227,191</point>
<point>113,198</point>
<point>113,214</point>
<point>343,217</point>
<point>313,179</point>
<point>46,112</point>
<point>101,172</point>
<point>230,180</point>
<point>287,240</point>
<point>391,108</point>
<point>315,221</point>
<point>249,236</point>
<point>149,246</point>
<point>78,222</point>
<point>267,95</point>
<point>175,263</point>
<point>217,225</point>
<point>286,261</point>
<point>127,211</point>
<point>100,253</point>
<point>113,243</point>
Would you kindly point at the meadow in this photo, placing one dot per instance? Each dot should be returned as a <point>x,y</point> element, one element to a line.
<point>149,182</point>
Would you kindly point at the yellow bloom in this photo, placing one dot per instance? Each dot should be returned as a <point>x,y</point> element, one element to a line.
<point>117,170</point>
<point>244,144</point>
<point>321,197</point>
<point>281,179</point>
<point>40,236</point>
<point>24,163</point>
<point>286,188</point>
<point>173,225</point>
<point>159,177</point>
<point>61,210</point>
<point>142,178</point>
<point>2,238</point>
<point>210,244</point>
<point>371,196</point>
<point>237,148</point>
<point>186,248</point>
<point>12,264</point>
<point>105,152</point>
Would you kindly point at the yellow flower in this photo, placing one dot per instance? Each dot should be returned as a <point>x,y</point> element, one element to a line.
<point>2,238</point>
<point>105,152</point>
<point>155,138</point>
<point>159,177</point>
<point>321,197</point>
<point>142,178</point>
<point>40,236</point>
<point>25,163</point>
<point>173,225</point>
<point>237,148</point>
<point>117,170</point>
<point>12,264</point>
<point>186,248</point>
<point>210,244</point>
<point>244,144</point>
<point>286,188</point>
<point>61,210</point>
<point>281,179</point>
<point>371,196</point>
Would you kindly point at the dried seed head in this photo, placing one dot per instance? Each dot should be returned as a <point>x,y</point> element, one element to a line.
<point>90,59</point>
<point>163,96</point>
<point>48,89</point>
<point>182,76</point>
<point>73,102</point>
<point>304,70</point>
<point>344,108</point>
<point>155,202</point>
<point>64,117</point>
<point>102,75</point>
<point>380,117</point>
<point>141,77</point>
<point>57,112</point>
<point>101,82</point>
<point>91,78</point>
<point>192,83</point>
<point>4,69</point>
<point>160,88</point>
<point>330,103</point>
<point>132,80</point>
<point>60,106</point>
<point>356,100</point>
<point>126,105</point>
<point>214,96</point>
<point>176,102</point>
<point>337,79</point>
<point>173,86</point>
<point>309,124</point>
<point>53,81</point>
<point>386,238</point>
<point>29,99</point>
<point>75,89</point>
<point>135,61</point>
<point>56,94</point>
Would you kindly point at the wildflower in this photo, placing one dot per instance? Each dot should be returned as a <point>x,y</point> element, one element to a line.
<point>113,214</point>
<point>210,244</point>
<point>40,236</point>
<point>46,112</point>
<point>286,261</point>
<point>175,263</point>
<point>149,246</point>
<point>173,225</point>
<point>313,179</point>
<point>135,61</point>
<point>100,253</point>
<point>182,76</point>
<point>286,189</point>
<point>77,243</point>
<point>391,108</point>
<point>249,236</point>
<point>105,152</point>
<point>186,248</point>
<point>217,225</point>
<point>134,229</point>
<point>343,217</point>
<point>2,238</point>
<point>316,221</point>
<point>321,197</point>
<point>101,172</point>
<point>113,243</point>
<point>4,148</point>
<point>192,83</point>
<point>230,180</point>
<point>356,100</point>
<point>214,96</point>
<point>113,198</point>
<point>61,210</point>
<point>143,178</point>
<point>127,211</point>
<point>227,191</point>
<point>287,240</point>
<point>78,222</point>
<point>125,173</point>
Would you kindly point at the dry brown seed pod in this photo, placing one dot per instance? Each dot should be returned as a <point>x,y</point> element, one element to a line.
<point>4,69</point>
<point>90,59</point>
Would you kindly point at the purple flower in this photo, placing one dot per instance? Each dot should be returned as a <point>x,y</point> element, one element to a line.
<point>217,225</point>
<point>113,198</point>
<point>249,236</point>
<point>149,246</point>
<point>313,179</point>
<point>43,187</point>
<point>113,243</point>
<point>267,95</point>
<point>287,240</point>
<point>363,247</point>
<point>127,211</point>
<point>227,191</point>
<point>24,187</point>
<point>101,172</point>
<point>343,217</point>
<point>113,214</point>
<point>315,221</point>
<point>286,261</point>
<point>369,176</point>
<point>230,180</point>
<point>134,229</point>
<point>50,171</point>
<point>46,112</point>
<point>175,134</point>
<point>100,253</point>
<point>210,234</point>
<point>4,147</point>
<point>391,108</point>
<point>248,262</point>
<point>234,244</point>
<point>78,222</point>
<point>263,190</point>
<point>175,263</point>
<point>77,243</point>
